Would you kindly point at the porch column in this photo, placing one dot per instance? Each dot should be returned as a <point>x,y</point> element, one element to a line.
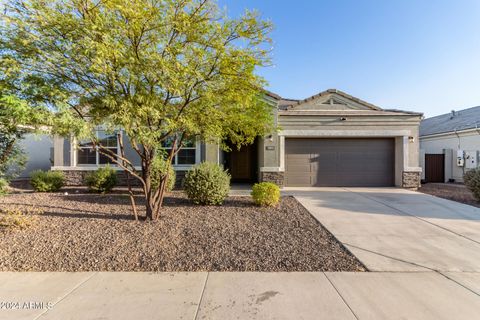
<point>58,151</point>
<point>405,176</point>
<point>212,153</point>
<point>281,150</point>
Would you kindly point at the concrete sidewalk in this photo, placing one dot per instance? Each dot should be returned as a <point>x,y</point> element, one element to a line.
<point>383,295</point>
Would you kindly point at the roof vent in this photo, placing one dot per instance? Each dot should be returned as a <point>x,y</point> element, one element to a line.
<point>453,114</point>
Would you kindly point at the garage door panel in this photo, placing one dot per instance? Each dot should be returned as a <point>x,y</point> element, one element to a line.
<point>299,168</point>
<point>339,162</point>
<point>361,180</point>
<point>299,155</point>
<point>324,162</point>
<point>325,180</point>
<point>299,181</point>
<point>357,162</point>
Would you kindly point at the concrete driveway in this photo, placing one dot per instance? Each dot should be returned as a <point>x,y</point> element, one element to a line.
<point>392,229</point>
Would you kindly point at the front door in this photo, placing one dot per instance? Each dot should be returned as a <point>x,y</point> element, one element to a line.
<point>242,164</point>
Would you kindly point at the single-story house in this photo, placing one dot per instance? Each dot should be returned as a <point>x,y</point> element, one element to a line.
<point>449,145</point>
<point>329,139</point>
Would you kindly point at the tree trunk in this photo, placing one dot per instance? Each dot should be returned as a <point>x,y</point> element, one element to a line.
<point>132,196</point>
<point>163,183</point>
<point>149,197</point>
<point>129,176</point>
<point>154,198</point>
<point>163,186</point>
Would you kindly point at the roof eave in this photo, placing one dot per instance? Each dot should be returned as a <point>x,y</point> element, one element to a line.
<point>445,133</point>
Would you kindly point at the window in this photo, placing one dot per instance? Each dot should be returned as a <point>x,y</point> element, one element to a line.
<point>88,155</point>
<point>186,155</point>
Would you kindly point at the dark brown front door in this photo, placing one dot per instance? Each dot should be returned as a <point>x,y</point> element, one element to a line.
<point>240,164</point>
<point>435,168</point>
<point>340,162</point>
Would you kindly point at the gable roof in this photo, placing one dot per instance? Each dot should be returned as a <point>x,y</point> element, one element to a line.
<point>451,122</point>
<point>289,104</point>
<point>272,95</point>
<point>340,93</point>
<point>284,103</point>
<point>345,99</point>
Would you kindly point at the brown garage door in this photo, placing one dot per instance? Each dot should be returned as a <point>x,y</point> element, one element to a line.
<point>339,162</point>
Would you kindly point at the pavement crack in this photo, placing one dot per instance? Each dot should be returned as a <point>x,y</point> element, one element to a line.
<point>340,295</point>
<point>201,297</point>
<point>66,295</point>
<point>390,257</point>
<point>458,283</point>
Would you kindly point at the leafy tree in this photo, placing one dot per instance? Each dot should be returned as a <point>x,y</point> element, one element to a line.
<point>21,110</point>
<point>162,70</point>
<point>13,116</point>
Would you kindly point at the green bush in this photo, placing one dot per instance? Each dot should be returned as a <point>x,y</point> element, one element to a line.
<point>265,194</point>
<point>207,183</point>
<point>3,186</point>
<point>159,168</point>
<point>472,181</point>
<point>102,180</point>
<point>47,181</point>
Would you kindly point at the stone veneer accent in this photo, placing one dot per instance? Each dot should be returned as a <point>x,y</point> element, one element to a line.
<point>274,177</point>
<point>411,179</point>
<point>77,177</point>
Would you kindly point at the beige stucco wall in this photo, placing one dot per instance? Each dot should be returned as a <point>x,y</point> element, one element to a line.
<point>358,124</point>
<point>448,144</point>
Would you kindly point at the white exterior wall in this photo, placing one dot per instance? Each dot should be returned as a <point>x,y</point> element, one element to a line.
<point>39,153</point>
<point>448,144</point>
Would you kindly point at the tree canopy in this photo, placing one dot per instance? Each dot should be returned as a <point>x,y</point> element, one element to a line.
<point>159,69</point>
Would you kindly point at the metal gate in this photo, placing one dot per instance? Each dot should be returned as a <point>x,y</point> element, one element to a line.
<point>435,168</point>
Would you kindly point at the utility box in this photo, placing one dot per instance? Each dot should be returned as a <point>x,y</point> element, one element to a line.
<point>471,158</point>
<point>460,158</point>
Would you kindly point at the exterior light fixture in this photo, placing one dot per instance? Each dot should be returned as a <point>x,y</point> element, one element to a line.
<point>411,139</point>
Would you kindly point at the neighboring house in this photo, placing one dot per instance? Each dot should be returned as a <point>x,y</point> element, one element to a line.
<point>39,151</point>
<point>450,145</point>
<point>330,139</point>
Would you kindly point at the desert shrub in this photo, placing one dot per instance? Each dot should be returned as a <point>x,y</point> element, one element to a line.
<point>159,169</point>
<point>15,219</point>
<point>47,181</point>
<point>207,183</point>
<point>472,181</point>
<point>3,186</point>
<point>265,194</point>
<point>102,180</point>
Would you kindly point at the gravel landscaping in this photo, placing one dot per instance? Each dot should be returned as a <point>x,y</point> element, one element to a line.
<point>86,232</point>
<point>455,192</point>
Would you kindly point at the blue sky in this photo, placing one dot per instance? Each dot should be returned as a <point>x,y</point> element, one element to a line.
<point>421,55</point>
